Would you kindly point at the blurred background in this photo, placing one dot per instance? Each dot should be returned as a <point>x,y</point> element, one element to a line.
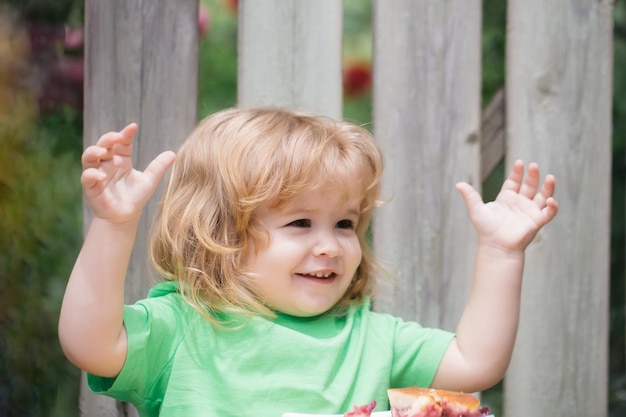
<point>41,98</point>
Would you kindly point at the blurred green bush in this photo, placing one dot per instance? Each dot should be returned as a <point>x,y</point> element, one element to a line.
<point>40,224</point>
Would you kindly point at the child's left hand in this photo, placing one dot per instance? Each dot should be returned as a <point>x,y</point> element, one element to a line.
<point>511,221</point>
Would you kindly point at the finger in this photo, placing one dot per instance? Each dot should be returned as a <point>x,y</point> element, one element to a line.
<point>529,187</point>
<point>122,149</point>
<point>156,169</point>
<point>549,186</point>
<point>471,197</point>
<point>129,130</point>
<point>124,145</point>
<point>123,136</point>
<point>514,181</point>
<point>93,180</point>
<point>549,211</point>
<point>547,190</point>
<point>108,139</point>
<point>92,156</point>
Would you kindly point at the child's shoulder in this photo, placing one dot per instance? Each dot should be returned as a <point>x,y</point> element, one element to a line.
<point>164,288</point>
<point>164,306</point>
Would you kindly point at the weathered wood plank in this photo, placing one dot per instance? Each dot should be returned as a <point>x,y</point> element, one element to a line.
<point>290,55</point>
<point>141,64</point>
<point>559,88</point>
<point>427,119</point>
<point>493,137</point>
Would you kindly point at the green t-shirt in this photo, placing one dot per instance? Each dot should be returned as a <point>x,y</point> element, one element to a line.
<point>178,364</point>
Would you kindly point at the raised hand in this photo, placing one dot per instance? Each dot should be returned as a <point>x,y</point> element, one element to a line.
<point>511,221</point>
<point>115,190</point>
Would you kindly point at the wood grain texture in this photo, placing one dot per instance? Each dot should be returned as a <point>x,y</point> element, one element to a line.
<point>493,134</point>
<point>427,120</point>
<point>559,88</point>
<point>290,55</point>
<point>141,65</point>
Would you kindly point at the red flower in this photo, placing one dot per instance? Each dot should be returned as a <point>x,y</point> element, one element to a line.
<point>357,78</point>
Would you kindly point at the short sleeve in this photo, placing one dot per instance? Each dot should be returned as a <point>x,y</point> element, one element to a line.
<point>417,352</point>
<point>154,331</point>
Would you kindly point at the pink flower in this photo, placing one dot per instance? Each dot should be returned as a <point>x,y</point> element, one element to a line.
<point>204,21</point>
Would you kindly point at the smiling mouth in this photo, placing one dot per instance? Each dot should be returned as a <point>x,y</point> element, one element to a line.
<point>319,275</point>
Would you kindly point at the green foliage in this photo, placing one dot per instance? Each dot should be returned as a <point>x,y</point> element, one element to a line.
<point>493,48</point>
<point>217,79</point>
<point>52,11</point>
<point>40,224</point>
<point>40,220</point>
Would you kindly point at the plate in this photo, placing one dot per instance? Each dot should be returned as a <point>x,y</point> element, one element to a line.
<point>374,414</point>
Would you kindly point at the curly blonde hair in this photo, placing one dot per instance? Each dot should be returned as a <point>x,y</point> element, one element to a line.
<point>237,160</point>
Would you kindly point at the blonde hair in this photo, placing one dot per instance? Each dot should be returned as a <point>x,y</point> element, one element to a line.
<point>235,161</point>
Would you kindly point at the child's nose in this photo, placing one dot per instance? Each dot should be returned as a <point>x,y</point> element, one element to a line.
<point>327,244</point>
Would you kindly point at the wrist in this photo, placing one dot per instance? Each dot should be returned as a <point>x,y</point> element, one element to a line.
<point>126,226</point>
<point>499,251</point>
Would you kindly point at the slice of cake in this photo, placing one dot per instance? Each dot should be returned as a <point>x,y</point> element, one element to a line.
<point>428,402</point>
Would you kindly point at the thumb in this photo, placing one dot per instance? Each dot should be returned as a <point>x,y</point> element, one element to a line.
<point>156,169</point>
<point>471,197</point>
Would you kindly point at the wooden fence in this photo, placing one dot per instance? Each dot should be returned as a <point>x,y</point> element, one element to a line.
<point>141,65</point>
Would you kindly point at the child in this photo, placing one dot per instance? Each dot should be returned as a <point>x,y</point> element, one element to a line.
<point>264,307</point>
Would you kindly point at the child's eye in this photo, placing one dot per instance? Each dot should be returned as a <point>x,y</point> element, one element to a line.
<point>300,223</point>
<point>345,224</point>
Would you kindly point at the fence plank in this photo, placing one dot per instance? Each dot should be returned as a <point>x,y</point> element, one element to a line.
<point>493,137</point>
<point>427,119</point>
<point>290,55</point>
<point>559,76</point>
<point>141,64</point>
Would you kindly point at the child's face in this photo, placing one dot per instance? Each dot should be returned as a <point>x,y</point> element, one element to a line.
<point>311,256</point>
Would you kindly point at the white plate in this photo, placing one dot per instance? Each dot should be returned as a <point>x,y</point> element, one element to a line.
<point>374,414</point>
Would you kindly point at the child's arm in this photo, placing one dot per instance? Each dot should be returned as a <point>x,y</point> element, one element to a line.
<point>480,354</point>
<point>91,330</point>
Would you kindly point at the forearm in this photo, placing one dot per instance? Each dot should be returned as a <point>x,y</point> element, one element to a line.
<point>488,327</point>
<point>91,320</point>
<point>479,355</point>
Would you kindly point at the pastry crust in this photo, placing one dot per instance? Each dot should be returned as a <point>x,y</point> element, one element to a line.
<point>428,402</point>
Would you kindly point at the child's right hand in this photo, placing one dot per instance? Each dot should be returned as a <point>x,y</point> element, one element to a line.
<point>115,190</point>
<point>521,208</point>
